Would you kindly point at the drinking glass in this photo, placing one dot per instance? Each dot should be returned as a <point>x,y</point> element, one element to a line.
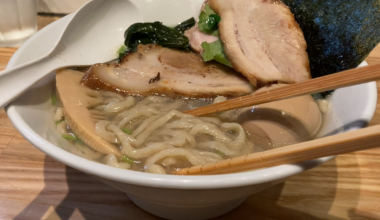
<point>18,21</point>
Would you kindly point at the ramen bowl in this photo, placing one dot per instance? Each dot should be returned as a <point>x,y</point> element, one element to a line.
<point>171,196</point>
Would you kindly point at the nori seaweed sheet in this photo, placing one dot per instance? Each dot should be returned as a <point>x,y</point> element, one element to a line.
<point>339,33</point>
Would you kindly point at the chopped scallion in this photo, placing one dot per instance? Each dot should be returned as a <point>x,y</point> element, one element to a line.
<point>70,137</point>
<point>79,141</point>
<point>232,132</point>
<point>53,99</point>
<point>220,153</point>
<point>126,159</point>
<point>127,131</point>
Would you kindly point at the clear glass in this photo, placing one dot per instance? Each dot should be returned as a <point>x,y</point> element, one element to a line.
<point>18,21</point>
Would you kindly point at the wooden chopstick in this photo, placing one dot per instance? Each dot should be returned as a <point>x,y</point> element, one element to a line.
<point>321,84</point>
<point>332,145</point>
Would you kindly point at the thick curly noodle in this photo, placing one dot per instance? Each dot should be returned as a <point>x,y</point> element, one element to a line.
<point>164,135</point>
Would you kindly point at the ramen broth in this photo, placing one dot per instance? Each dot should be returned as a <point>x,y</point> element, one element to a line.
<point>154,136</point>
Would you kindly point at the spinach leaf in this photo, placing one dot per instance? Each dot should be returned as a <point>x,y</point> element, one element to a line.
<point>154,33</point>
<point>215,51</point>
<point>185,25</point>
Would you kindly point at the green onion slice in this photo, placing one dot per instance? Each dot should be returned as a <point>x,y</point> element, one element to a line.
<point>126,159</point>
<point>127,131</point>
<point>70,137</point>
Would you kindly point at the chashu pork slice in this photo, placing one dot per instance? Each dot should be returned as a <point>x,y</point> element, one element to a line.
<point>153,69</point>
<point>197,37</point>
<point>77,101</point>
<point>262,40</point>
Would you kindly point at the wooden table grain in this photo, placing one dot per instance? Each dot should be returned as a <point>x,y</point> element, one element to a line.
<point>35,186</point>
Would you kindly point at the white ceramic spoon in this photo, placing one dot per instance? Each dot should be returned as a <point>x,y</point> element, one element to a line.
<point>93,35</point>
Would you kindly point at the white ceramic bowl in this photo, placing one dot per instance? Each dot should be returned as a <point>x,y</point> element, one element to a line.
<point>169,196</point>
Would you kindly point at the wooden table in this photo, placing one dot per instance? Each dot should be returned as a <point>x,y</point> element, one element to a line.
<point>35,186</point>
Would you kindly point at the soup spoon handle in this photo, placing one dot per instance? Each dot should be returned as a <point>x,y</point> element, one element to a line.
<point>362,139</point>
<point>321,84</point>
<point>15,81</point>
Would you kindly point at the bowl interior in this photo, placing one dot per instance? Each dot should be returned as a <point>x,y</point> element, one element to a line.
<point>32,114</point>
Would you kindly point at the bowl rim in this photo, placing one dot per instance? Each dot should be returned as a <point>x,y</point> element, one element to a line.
<point>156,180</point>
